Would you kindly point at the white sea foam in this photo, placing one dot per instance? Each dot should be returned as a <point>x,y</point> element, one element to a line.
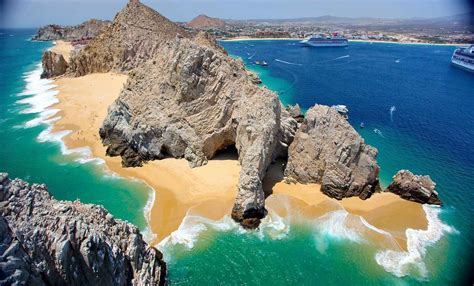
<point>343,57</point>
<point>403,263</point>
<point>288,63</point>
<point>334,224</point>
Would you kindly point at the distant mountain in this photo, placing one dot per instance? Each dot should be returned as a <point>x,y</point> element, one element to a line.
<point>203,21</point>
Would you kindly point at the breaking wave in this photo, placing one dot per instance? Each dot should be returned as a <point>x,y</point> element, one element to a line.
<point>403,263</point>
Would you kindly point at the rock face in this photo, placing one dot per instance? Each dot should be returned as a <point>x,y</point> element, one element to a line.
<point>133,37</point>
<point>206,22</point>
<point>190,101</point>
<point>414,188</point>
<point>328,151</point>
<point>48,242</point>
<point>88,29</point>
<point>53,64</point>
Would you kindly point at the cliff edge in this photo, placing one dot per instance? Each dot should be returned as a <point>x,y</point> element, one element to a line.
<point>48,242</point>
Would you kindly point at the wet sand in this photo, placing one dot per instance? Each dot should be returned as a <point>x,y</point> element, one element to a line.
<point>211,189</point>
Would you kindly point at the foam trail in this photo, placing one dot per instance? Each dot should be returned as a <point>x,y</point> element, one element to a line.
<point>392,110</point>
<point>403,263</point>
<point>378,132</point>
<point>343,57</point>
<point>288,63</point>
<point>251,57</point>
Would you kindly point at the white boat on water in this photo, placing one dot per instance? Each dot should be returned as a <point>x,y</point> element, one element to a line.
<point>464,57</point>
<point>321,41</point>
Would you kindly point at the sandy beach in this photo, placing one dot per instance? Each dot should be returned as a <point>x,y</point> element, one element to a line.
<point>63,48</point>
<point>211,189</point>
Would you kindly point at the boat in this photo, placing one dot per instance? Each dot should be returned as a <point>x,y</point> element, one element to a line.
<point>362,125</point>
<point>341,109</point>
<point>261,63</point>
<point>464,58</point>
<point>321,41</point>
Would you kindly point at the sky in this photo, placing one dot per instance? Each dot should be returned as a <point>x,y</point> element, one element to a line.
<point>35,13</point>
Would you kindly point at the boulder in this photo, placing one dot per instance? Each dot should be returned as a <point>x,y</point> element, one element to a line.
<point>328,151</point>
<point>414,188</point>
<point>53,64</point>
<point>50,242</point>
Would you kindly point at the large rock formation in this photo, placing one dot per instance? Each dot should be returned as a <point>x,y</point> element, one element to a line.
<point>328,151</point>
<point>88,29</point>
<point>190,101</point>
<point>47,242</point>
<point>53,64</point>
<point>133,37</point>
<point>206,22</point>
<point>414,188</point>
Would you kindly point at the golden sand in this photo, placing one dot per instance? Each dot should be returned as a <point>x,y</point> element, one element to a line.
<point>63,48</point>
<point>211,189</point>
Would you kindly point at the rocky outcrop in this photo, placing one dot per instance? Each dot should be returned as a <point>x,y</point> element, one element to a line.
<point>133,37</point>
<point>53,64</point>
<point>328,151</point>
<point>190,101</point>
<point>49,242</point>
<point>295,112</point>
<point>206,22</point>
<point>414,188</point>
<point>88,29</point>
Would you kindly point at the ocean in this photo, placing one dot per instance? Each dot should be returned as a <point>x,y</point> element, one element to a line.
<point>417,103</point>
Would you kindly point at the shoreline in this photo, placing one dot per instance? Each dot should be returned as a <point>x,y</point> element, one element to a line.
<point>244,39</point>
<point>211,188</point>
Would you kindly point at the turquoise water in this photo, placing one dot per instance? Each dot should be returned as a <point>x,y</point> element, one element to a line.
<point>23,156</point>
<point>431,132</point>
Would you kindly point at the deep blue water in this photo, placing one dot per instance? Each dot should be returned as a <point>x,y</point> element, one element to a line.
<point>430,132</point>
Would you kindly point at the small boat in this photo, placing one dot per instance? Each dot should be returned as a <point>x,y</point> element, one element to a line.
<point>362,125</point>
<point>261,63</point>
<point>341,109</point>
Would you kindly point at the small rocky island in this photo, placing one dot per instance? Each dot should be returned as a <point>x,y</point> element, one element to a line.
<point>186,98</point>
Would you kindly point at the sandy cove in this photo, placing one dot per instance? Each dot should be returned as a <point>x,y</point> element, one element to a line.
<point>209,190</point>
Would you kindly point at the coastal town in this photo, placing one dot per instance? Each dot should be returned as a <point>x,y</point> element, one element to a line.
<point>453,30</point>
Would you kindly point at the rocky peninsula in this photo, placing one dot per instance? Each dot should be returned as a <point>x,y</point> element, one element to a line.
<point>50,242</point>
<point>185,98</point>
<point>86,30</point>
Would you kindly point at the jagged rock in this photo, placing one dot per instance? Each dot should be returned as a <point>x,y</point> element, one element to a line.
<point>254,78</point>
<point>327,150</point>
<point>53,64</point>
<point>414,188</point>
<point>190,101</point>
<point>133,37</point>
<point>88,29</point>
<point>295,112</point>
<point>49,242</point>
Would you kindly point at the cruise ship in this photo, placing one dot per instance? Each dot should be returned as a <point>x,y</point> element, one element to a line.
<point>464,57</point>
<point>321,41</point>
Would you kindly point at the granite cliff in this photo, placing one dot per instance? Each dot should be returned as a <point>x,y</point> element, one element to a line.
<point>48,242</point>
<point>328,151</point>
<point>88,29</point>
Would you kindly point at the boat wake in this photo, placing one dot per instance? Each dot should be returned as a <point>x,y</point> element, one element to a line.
<point>343,57</point>
<point>251,57</point>
<point>378,132</point>
<point>392,110</point>
<point>288,63</point>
